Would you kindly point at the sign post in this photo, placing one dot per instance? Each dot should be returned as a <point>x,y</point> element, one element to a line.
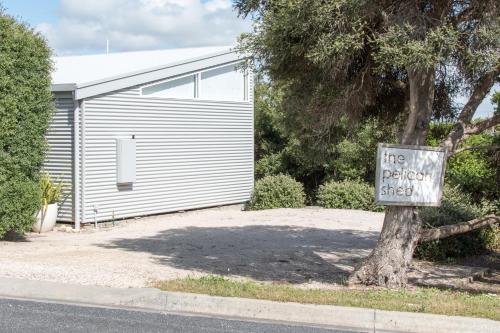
<point>409,175</point>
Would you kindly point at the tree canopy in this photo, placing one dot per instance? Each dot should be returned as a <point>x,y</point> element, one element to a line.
<point>351,57</point>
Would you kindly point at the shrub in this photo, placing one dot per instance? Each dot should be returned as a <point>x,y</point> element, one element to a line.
<point>279,191</point>
<point>457,206</point>
<point>347,194</point>
<point>25,111</point>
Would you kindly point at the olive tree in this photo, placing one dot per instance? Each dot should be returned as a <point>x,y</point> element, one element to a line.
<point>404,61</point>
<point>25,111</point>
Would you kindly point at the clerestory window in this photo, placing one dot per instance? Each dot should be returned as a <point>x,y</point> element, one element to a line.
<point>224,83</point>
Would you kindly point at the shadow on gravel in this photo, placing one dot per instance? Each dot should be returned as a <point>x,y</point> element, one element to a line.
<point>12,236</point>
<point>261,252</point>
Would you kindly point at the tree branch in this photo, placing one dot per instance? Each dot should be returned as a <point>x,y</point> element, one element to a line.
<point>480,147</point>
<point>458,228</point>
<point>463,127</point>
<point>482,125</point>
<point>480,91</point>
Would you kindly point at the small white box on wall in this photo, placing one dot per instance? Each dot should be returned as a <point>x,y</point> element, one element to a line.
<point>125,161</point>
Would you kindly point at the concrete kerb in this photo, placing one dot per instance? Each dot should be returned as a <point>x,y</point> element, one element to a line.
<point>368,320</point>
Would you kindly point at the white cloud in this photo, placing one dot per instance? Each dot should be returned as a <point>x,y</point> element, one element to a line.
<point>142,24</point>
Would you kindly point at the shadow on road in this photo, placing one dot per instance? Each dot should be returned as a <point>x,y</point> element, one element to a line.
<point>261,252</point>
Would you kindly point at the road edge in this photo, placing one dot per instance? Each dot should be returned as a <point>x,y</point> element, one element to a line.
<point>368,320</point>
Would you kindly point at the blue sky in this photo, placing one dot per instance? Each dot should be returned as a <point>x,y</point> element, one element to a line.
<point>32,11</point>
<point>83,26</point>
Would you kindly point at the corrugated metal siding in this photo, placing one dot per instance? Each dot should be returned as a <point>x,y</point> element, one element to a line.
<point>190,154</point>
<point>59,159</point>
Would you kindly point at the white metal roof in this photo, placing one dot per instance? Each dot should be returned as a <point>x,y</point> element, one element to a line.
<point>92,75</point>
<point>81,70</point>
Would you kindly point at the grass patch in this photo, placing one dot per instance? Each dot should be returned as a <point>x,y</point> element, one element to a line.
<point>429,300</point>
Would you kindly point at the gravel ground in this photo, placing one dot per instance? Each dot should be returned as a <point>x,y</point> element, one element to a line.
<point>310,245</point>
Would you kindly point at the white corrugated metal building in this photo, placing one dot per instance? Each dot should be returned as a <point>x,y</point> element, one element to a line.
<point>142,133</point>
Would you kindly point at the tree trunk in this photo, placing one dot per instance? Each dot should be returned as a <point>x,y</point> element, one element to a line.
<point>388,263</point>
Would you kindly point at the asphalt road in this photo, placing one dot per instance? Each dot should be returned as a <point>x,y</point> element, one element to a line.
<point>31,316</point>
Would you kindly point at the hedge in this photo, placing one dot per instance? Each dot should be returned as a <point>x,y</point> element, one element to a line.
<point>25,111</point>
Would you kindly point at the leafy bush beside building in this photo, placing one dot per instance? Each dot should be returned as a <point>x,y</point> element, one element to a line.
<point>25,111</point>
<point>279,191</point>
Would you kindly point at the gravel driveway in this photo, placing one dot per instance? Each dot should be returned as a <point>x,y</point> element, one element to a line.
<point>295,245</point>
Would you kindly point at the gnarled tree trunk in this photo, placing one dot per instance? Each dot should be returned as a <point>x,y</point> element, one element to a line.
<point>388,263</point>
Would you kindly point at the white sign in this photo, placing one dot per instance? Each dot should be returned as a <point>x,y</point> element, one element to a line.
<point>409,175</point>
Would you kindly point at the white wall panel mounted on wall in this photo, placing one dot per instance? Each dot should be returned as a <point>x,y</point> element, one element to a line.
<point>125,161</point>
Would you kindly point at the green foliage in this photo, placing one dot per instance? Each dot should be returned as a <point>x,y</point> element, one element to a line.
<point>438,132</point>
<point>495,99</point>
<point>351,58</point>
<point>19,200</point>
<point>279,191</point>
<point>270,132</point>
<point>268,165</point>
<point>347,194</point>
<point>270,135</point>
<point>457,206</point>
<point>473,170</point>
<point>280,147</point>
<point>51,192</point>
<point>471,191</point>
<point>398,47</point>
<point>25,111</point>
<point>355,155</point>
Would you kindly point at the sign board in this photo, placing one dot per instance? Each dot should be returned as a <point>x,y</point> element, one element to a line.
<point>409,175</point>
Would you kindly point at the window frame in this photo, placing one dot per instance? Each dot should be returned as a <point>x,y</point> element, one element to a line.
<point>198,86</point>
<point>195,92</point>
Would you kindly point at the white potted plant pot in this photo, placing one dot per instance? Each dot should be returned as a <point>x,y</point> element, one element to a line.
<point>49,215</point>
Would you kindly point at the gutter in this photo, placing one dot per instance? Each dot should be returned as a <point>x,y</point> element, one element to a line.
<point>61,87</point>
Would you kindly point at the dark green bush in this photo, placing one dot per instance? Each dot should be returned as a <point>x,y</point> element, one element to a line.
<point>25,111</point>
<point>347,194</point>
<point>457,206</point>
<point>279,191</point>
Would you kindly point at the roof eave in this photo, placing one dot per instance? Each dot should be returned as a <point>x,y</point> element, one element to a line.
<point>63,87</point>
